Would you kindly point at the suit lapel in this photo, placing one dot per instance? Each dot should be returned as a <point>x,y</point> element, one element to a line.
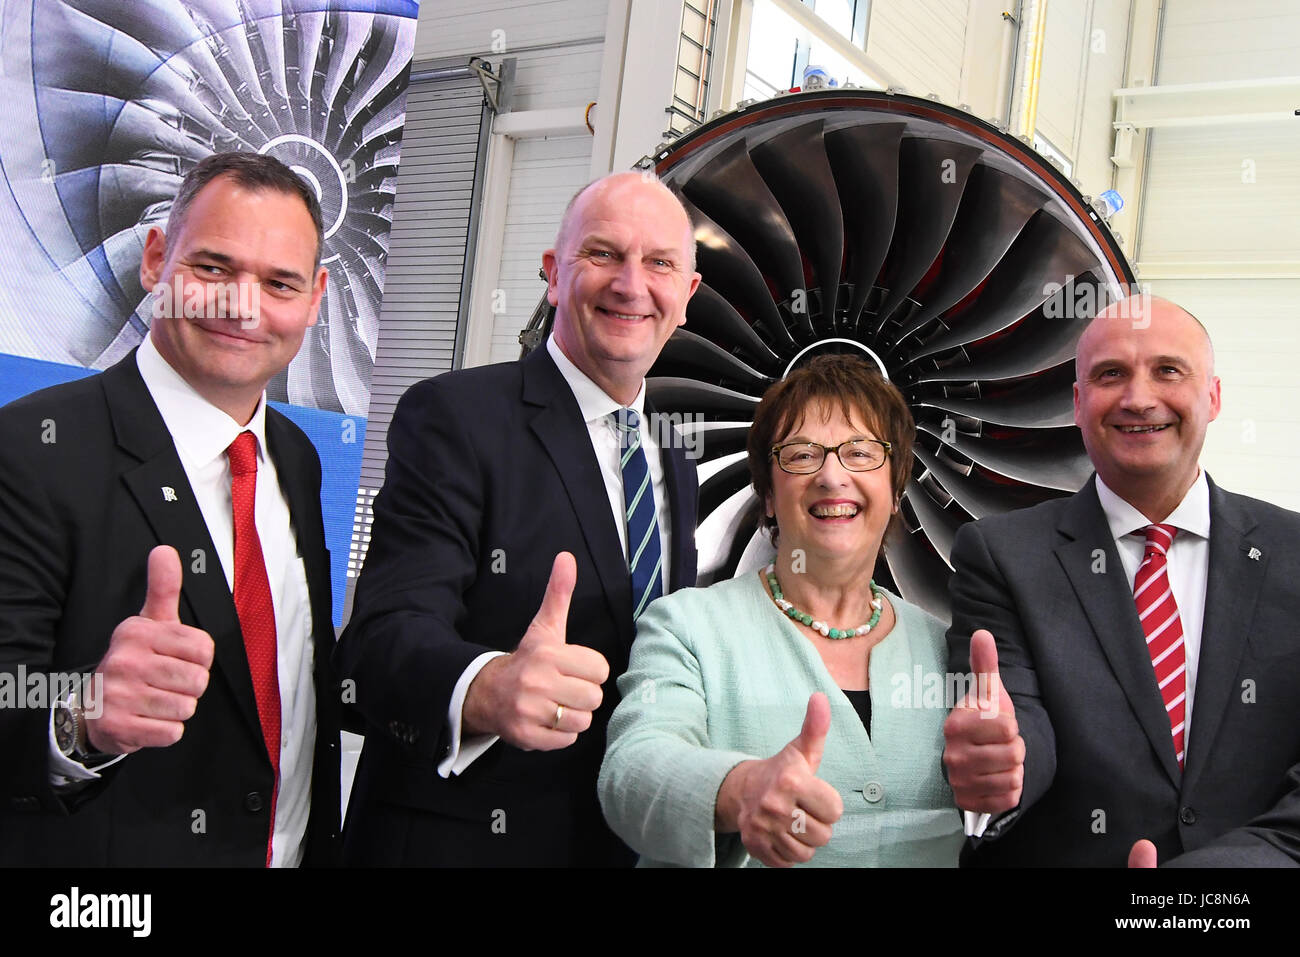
<point>297,470</point>
<point>1107,601</point>
<point>162,490</point>
<point>1232,590</point>
<point>559,425</point>
<point>682,505</point>
<point>296,476</point>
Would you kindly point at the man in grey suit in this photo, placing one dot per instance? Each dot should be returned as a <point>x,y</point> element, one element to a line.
<point>1143,660</point>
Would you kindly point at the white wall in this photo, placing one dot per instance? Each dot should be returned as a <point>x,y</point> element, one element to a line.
<point>1215,40</point>
<point>1065,64</point>
<point>1222,194</point>
<point>642,49</point>
<point>921,42</point>
<point>557,44</point>
<point>986,60</point>
<point>453,27</point>
<point>559,50</point>
<point>546,173</point>
<point>1083,63</point>
<point>1222,205</point>
<point>1105,57</point>
<point>1252,447</point>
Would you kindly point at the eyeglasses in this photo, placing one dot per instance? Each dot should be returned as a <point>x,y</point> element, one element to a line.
<point>856,455</point>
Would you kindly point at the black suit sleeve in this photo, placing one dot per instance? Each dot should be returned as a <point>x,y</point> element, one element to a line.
<point>34,563</point>
<point>981,598</point>
<point>402,646</point>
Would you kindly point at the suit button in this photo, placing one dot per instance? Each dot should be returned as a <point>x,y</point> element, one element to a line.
<point>1187,815</point>
<point>874,792</point>
<point>252,802</point>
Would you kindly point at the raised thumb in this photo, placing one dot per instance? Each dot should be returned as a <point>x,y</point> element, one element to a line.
<point>1143,854</point>
<point>816,723</point>
<point>552,617</point>
<point>163,586</point>
<point>984,665</point>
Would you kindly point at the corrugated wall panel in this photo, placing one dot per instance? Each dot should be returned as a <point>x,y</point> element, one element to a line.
<point>921,43</point>
<point>1064,43</point>
<point>547,172</point>
<point>1231,194</point>
<point>1223,194</point>
<point>558,49</point>
<point>426,251</point>
<point>454,27</point>
<point>565,76</point>
<point>1107,49</point>
<point>1083,64</point>
<point>1206,41</point>
<point>1251,448</point>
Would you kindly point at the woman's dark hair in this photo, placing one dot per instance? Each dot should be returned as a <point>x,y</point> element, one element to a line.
<point>862,394</point>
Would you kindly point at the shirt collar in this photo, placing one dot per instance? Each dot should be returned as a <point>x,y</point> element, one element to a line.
<point>200,430</point>
<point>593,402</point>
<point>1192,514</point>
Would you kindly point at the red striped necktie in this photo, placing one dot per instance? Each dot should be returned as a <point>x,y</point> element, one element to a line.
<point>253,604</point>
<point>1163,628</point>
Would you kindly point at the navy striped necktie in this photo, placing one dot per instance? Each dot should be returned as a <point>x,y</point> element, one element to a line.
<point>644,555</point>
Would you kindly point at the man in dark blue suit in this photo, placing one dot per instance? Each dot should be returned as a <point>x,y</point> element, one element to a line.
<point>160,527</point>
<point>529,513</point>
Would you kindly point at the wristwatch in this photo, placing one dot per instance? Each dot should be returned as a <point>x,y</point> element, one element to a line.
<point>70,727</point>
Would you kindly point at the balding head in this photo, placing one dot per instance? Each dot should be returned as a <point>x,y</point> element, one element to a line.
<point>1144,393</point>
<point>619,277</point>
<point>620,182</point>
<point>1140,313</point>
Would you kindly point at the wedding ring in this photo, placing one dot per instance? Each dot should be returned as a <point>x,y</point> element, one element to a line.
<point>559,713</point>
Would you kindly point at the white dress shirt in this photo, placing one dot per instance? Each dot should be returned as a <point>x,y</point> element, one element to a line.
<point>596,407</point>
<point>1188,564</point>
<point>202,433</point>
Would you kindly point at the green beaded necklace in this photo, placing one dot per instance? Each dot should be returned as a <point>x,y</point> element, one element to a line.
<point>877,601</point>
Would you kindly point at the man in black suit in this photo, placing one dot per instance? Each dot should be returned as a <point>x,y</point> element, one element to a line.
<point>1142,665</point>
<point>498,598</point>
<point>209,732</point>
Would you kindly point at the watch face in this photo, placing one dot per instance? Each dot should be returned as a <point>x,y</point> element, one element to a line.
<point>65,728</point>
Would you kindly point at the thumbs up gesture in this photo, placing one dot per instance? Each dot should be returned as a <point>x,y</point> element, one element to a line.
<point>782,810</point>
<point>540,697</point>
<point>154,672</point>
<point>983,750</point>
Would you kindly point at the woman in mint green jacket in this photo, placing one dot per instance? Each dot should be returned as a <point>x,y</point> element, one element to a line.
<point>794,715</point>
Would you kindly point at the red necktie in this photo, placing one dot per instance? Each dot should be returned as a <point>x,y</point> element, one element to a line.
<point>253,604</point>
<point>1163,628</point>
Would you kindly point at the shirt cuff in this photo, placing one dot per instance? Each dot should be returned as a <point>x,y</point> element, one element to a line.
<point>464,753</point>
<point>65,771</point>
